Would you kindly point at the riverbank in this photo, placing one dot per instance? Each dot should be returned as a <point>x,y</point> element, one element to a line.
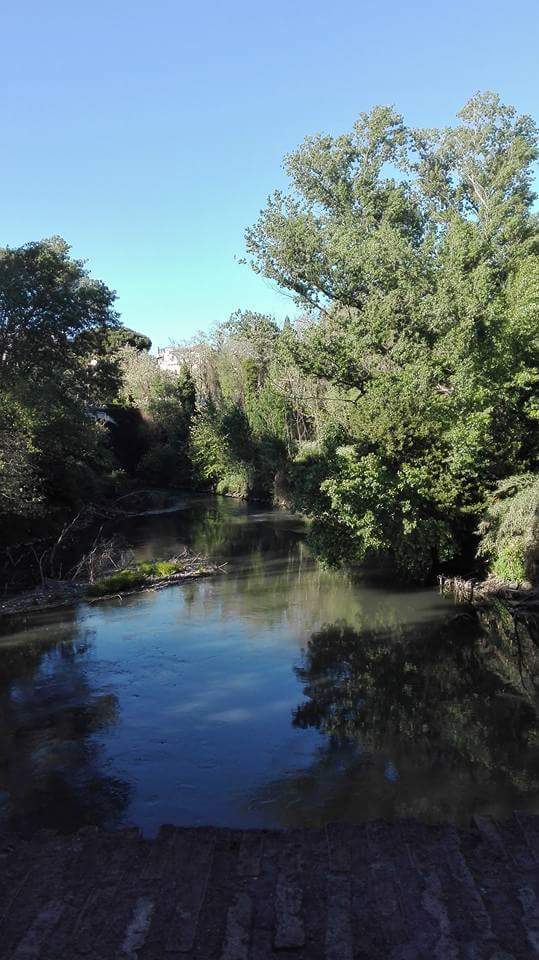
<point>379,890</point>
<point>52,548</point>
<point>136,579</point>
<point>470,588</point>
<point>502,605</point>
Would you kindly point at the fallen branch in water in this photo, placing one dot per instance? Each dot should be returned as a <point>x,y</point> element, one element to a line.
<point>104,557</point>
<point>162,583</point>
<point>135,578</point>
<point>473,589</point>
<point>507,610</point>
<point>152,575</point>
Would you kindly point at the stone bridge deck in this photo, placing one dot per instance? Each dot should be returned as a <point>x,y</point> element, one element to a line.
<point>403,891</point>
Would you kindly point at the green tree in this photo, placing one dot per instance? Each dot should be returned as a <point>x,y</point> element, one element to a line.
<point>510,529</point>
<point>54,319</point>
<point>125,337</point>
<point>240,431</point>
<point>155,410</point>
<point>54,368</point>
<point>414,255</point>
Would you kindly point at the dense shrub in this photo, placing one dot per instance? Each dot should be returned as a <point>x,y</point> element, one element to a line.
<point>510,529</point>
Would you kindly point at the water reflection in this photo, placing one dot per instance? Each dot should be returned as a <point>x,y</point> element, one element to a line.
<point>51,767</point>
<point>276,693</point>
<point>429,723</point>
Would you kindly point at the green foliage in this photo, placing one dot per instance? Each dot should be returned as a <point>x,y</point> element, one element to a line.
<point>414,254</point>
<point>465,703</point>
<point>55,319</point>
<point>221,450</point>
<point>164,465</point>
<point>125,337</point>
<point>362,508</point>
<point>510,529</point>
<point>54,371</point>
<point>19,488</point>
<point>133,577</point>
<point>402,397</point>
<point>239,440</point>
<point>235,484</point>
<point>156,409</point>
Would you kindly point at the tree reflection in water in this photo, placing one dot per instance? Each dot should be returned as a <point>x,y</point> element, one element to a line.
<point>175,705</point>
<point>52,769</point>
<point>418,722</point>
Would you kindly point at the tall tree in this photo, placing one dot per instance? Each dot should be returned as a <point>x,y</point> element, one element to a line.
<point>413,254</point>
<point>53,317</point>
<point>54,365</point>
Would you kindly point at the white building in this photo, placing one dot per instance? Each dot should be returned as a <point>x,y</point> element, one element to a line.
<point>168,360</point>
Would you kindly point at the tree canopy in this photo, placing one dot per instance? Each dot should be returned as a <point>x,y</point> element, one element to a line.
<point>414,255</point>
<point>54,321</point>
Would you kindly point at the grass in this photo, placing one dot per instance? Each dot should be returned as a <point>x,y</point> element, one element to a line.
<point>132,577</point>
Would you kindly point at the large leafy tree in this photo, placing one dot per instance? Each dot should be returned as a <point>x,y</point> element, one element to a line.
<point>54,368</point>
<point>414,255</point>
<point>54,319</point>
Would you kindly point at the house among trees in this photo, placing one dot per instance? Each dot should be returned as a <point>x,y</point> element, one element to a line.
<point>168,360</point>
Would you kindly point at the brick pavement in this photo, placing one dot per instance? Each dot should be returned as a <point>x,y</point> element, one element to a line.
<point>403,891</point>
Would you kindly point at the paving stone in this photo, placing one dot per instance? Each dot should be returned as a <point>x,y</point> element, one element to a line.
<point>250,855</point>
<point>339,942</point>
<point>497,878</point>
<point>489,832</point>
<point>30,946</point>
<point>263,890</point>
<point>160,852</point>
<point>516,842</point>
<point>406,846</point>
<point>529,826</point>
<point>95,932</point>
<point>530,916</point>
<point>220,894</point>
<point>137,929</point>
<point>339,847</point>
<point>471,923</point>
<point>289,928</point>
<point>445,947</point>
<point>238,928</point>
<point>38,887</point>
<point>192,861</point>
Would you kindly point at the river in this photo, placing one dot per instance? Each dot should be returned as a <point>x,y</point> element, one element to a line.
<point>276,693</point>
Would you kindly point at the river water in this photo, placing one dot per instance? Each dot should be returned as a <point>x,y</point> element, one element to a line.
<point>276,693</point>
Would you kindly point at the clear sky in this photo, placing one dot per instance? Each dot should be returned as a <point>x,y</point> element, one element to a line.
<point>149,134</point>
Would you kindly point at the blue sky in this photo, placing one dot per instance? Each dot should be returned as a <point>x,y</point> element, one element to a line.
<point>149,135</point>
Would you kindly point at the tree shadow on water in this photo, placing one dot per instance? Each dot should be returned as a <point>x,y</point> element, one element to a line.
<point>53,772</point>
<point>436,723</point>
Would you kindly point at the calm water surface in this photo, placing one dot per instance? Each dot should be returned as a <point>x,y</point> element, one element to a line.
<point>274,694</point>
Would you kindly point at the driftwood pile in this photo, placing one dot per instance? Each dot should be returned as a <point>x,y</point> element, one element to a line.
<point>506,609</point>
<point>105,558</point>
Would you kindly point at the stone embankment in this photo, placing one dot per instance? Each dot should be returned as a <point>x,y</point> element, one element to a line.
<point>404,891</point>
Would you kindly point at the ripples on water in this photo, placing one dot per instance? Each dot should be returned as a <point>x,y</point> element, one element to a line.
<point>276,694</point>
